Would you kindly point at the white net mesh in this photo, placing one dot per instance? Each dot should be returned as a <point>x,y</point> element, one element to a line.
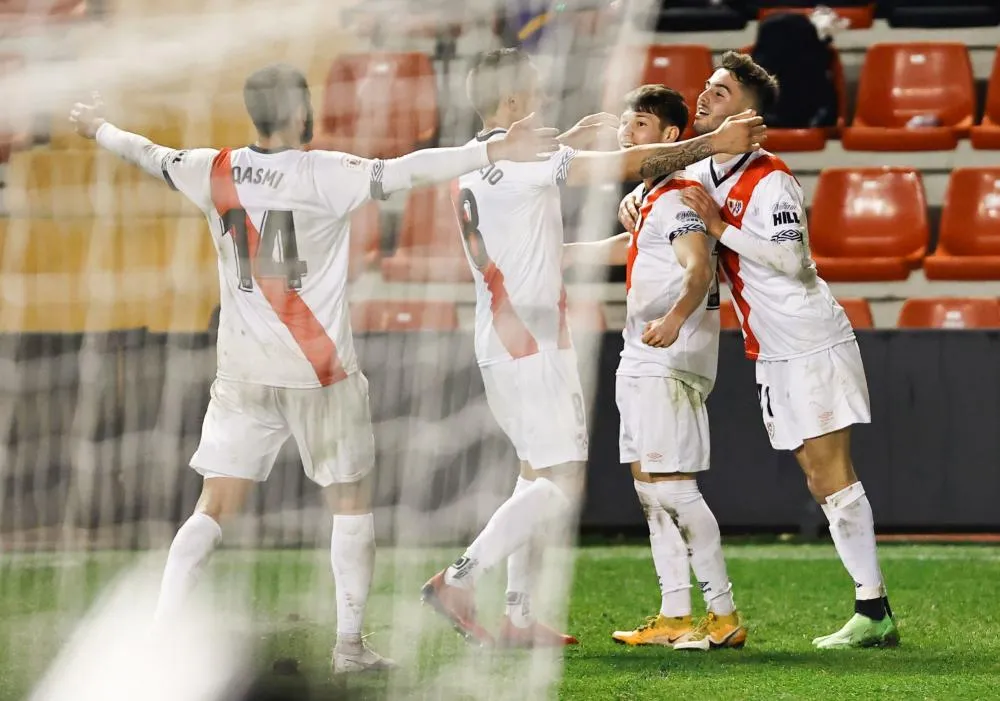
<point>109,287</point>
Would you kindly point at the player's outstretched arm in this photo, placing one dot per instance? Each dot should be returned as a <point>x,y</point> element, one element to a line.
<point>692,251</point>
<point>737,134</point>
<point>525,141</point>
<point>783,252</point>
<point>89,122</point>
<point>609,251</point>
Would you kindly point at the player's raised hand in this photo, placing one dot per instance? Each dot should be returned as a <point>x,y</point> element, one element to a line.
<point>595,132</point>
<point>740,133</point>
<point>87,117</point>
<point>662,332</point>
<point>628,211</point>
<point>524,141</point>
<point>705,207</point>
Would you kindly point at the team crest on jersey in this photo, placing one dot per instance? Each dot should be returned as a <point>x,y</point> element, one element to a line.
<point>735,206</point>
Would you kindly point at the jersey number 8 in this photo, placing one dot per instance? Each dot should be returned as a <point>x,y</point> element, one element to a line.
<point>278,226</point>
<point>468,217</point>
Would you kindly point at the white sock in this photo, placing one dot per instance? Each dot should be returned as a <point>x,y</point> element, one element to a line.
<point>519,574</point>
<point>670,557</point>
<point>683,501</point>
<point>511,527</point>
<point>852,528</point>
<point>189,552</point>
<point>352,555</point>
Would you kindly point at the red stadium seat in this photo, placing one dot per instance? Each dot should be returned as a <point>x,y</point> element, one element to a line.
<point>987,134</point>
<point>783,140</point>
<point>868,224</point>
<point>727,315</point>
<point>903,81</point>
<point>858,311</point>
<point>969,243</point>
<point>685,68</point>
<point>857,17</point>
<point>950,313</point>
<point>365,240</point>
<point>375,315</point>
<point>430,242</point>
<point>379,104</point>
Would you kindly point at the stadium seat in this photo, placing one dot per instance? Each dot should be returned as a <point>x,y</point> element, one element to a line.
<point>950,313</point>
<point>430,243</point>
<point>858,16</point>
<point>868,224</point>
<point>969,241</point>
<point>701,16</point>
<point>52,183</point>
<point>940,14</point>
<point>785,140</point>
<point>727,315</point>
<point>379,104</point>
<point>900,82</point>
<point>858,311</point>
<point>685,68</point>
<point>986,135</point>
<point>375,315</point>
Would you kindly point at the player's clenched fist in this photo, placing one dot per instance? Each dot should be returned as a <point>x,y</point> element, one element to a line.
<point>702,203</point>
<point>740,133</point>
<point>87,118</point>
<point>662,332</point>
<point>524,141</point>
<point>628,211</point>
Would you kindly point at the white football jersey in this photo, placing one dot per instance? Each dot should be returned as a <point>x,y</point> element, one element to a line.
<point>512,229</point>
<point>782,317</point>
<point>655,281</point>
<point>280,221</point>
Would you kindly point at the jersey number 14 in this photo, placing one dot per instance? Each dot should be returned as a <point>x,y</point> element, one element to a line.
<point>277,227</point>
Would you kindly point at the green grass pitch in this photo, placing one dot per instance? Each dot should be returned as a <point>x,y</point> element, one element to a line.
<point>945,598</point>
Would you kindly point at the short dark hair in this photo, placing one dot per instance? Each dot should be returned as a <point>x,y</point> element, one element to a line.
<point>762,85</point>
<point>667,104</point>
<point>493,74</point>
<point>272,94</point>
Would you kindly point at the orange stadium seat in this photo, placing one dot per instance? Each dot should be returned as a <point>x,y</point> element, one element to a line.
<point>858,311</point>
<point>379,104</point>
<point>987,134</point>
<point>781,140</point>
<point>950,313</point>
<point>969,242</point>
<point>857,17</point>
<point>376,315</point>
<point>685,68</point>
<point>900,82</point>
<point>868,224</point>
<point>727,315</point>
<point>430,243</point>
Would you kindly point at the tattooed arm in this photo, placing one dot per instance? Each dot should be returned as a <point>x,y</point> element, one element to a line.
<point>738,134</point>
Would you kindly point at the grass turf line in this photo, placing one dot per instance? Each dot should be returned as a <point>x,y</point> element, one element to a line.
<point>787,593</point>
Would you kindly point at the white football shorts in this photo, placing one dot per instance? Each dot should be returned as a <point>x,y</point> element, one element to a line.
<point>246,425</point>
<point>813,395</point>
<point>664,424</point>
<point>538,402</point>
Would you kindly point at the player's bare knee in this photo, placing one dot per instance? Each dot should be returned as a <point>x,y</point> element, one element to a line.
<point>350,498</point>
<point>222,497</point>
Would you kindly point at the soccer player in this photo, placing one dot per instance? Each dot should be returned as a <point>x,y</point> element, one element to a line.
<point>667,370</point>
<point>280,217</point>
<point>512,228</point>
<point>810,379</point>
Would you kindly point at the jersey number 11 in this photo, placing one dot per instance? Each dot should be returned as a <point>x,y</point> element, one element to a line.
<point>278,226</point>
